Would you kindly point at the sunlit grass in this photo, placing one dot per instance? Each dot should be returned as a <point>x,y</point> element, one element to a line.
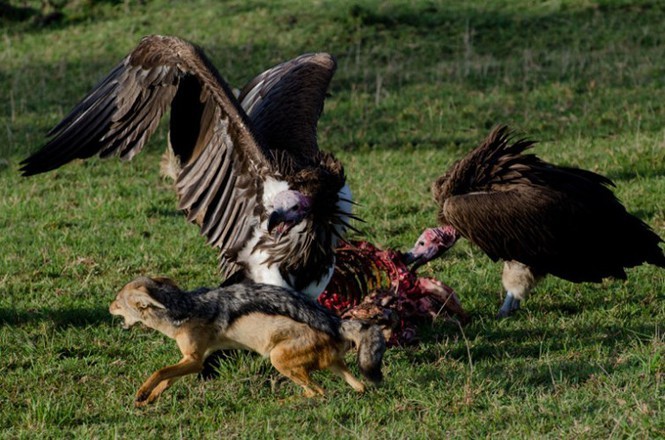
<point>418,84</point>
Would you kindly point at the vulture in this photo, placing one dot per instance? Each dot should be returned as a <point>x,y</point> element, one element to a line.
<point>537,217</point>
<point>247,170</point>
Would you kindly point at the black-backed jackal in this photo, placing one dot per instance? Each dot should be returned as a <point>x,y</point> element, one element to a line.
<point>297,334</point>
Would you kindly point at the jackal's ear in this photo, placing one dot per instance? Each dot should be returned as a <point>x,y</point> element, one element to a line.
<point>141,299</point>
<point>164,281</point>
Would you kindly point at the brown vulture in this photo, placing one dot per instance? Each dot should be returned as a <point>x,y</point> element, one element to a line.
<point>248,171</point>
<point>538,217</point>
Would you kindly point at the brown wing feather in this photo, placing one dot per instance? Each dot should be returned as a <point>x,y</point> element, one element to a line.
<point>286,101</point>
<point>119,115</point>
<point>220,184</point>
<point>99,123</point>
<point>496,160</point>
<point>507,225</point>
<point>558,220</point>
<point>220,189</point>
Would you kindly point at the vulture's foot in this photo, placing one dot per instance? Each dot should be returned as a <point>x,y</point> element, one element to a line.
<point>510,305</point>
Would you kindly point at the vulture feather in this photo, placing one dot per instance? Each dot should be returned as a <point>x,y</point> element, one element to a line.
<point>248,171</point>
<point>537,217</point>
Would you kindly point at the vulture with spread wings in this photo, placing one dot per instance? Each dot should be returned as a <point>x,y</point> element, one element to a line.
<point>248,171</point>
<point>538,217</point>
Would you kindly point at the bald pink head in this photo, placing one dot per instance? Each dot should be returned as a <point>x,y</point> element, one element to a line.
<point>432,243</point>
<point>290,207</point>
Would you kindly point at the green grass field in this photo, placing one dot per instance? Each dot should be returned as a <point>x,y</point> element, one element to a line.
<point>418,84</point>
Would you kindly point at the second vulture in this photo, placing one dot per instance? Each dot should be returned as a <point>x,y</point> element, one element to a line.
<point>248,171</point>
<point>538,217</point>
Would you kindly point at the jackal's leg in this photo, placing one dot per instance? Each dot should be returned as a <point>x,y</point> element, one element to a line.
<point>340,369</point>
<point>189,364</point>
<point>286,362</point>
<point>300,375</point>
<point>159,389</point>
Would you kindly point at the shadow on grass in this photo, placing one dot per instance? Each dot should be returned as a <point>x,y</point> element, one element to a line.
<point>161,211</point>
<point>530,344</point>
<point>542,356</point>
<point>11,13</point>
<point>71,317</point>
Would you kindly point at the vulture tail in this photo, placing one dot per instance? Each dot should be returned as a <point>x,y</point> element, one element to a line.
<point>642,244</point>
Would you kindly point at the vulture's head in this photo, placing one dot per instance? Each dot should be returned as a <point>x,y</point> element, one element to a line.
<point>432,243</point>
<point>289,208</point>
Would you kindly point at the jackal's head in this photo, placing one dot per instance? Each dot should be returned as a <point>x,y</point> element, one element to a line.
<point>135,303</point>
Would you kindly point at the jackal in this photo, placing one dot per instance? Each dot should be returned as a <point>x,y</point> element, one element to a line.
<point>297,334</point>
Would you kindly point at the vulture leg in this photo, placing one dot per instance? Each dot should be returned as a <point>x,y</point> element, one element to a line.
<point>510,305</point>
<point>518,280</point>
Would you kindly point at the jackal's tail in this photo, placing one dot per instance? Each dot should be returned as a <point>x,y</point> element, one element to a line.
<point>371,346</point>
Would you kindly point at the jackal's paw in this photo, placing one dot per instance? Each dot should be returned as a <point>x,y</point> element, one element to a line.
<point>142,398</point>
<point>314,392</point>
<point>360,388</point>
<point>310,394</point>
<point>140,403</point>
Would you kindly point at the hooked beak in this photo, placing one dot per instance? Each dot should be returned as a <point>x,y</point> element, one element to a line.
<point>278,224</point>
<point>410,258</point>
<point>417,259</point>
<point>276,217</point>
<point>431,244</point>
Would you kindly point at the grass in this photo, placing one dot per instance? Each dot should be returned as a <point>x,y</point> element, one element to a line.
<point>418,84</point>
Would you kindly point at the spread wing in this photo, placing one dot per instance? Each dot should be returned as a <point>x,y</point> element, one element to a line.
<point>224,164</point>
<point>121,113</point>
<point>285,102</point>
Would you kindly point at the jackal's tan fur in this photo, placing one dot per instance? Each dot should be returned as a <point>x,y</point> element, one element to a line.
<point>234,317</point>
